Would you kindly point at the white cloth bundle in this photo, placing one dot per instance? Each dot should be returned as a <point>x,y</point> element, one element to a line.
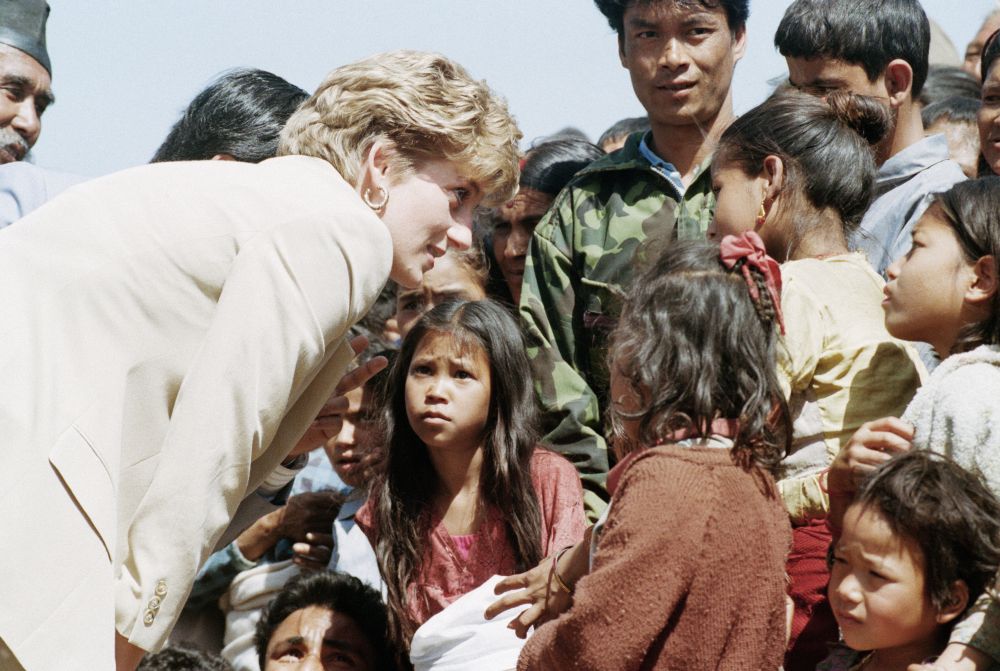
<point>460,638</point>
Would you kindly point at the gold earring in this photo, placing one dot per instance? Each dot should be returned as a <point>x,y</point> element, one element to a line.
<point>383,200</point>
<point>762,213</point>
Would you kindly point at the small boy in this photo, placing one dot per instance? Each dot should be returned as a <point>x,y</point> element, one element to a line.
<point>920,543</point>
<point>876,48</point>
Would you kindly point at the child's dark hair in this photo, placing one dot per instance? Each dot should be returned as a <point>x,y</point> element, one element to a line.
<point>825,148</point>
<point>972,208</point>
<point>405,493</point>
<point>947,511</point>
<point>694,346</point>
<point>869,33</point>
<point>338,592</point>
<point>736,11</point>
<point>549,165</point>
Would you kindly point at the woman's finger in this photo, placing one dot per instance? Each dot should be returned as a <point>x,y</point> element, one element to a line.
<point>507,602</point>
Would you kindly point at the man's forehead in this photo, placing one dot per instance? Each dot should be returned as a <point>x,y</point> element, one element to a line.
<point>681,10</point>
<point>16,63</point>
<point>803,71</point>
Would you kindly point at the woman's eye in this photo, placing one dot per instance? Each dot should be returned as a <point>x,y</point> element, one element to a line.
<point>460,195</point>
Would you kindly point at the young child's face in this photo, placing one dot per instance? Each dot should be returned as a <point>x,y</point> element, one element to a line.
<point>448,279</point>
<point>925,296</point>
<point>352,452</point>
<point>738,198</point>
<point>877,588</point>
<point>448,393</point>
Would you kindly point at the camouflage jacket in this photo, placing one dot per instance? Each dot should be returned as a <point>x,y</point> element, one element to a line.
<point>580,261</point>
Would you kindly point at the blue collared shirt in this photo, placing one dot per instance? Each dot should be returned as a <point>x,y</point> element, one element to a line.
<point>664,168</point>
<point>905,186</point>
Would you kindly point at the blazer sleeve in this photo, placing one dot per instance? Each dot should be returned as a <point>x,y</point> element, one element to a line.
<point>291,294</point>
<point>641,572</point>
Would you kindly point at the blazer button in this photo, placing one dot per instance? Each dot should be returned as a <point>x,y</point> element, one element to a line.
<point>161,588</point>
<point>154,603</point>
<point>148,617</point>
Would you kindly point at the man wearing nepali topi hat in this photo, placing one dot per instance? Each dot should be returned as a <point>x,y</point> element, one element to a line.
<point>25,76</point>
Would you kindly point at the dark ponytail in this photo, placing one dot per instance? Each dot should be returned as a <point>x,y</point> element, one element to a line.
<point>825,147</point>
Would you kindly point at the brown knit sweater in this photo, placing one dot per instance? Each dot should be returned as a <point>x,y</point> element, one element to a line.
<point>688,574</point>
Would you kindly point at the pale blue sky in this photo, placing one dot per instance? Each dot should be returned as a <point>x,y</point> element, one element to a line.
<point>124,70</point>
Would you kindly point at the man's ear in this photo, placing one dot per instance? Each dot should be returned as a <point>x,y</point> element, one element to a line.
<point>621,50</point>
<point>899,82</point>
<point>774,172</point>
<point>956,604</point>
<point>739,43</point>
<point>985,285</point>
<point>223,157</point>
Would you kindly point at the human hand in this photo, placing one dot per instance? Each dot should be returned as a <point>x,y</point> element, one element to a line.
<point>313,553</point>
<point>311,512</point>
<point>957,657</point>
<point>330,418</point>
<point>872,444</point>
<point>540,590</point>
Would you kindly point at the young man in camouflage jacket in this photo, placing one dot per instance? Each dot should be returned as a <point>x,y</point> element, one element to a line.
<point>680,56</point>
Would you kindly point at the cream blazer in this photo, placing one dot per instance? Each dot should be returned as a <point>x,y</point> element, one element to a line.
<point>167,334</point>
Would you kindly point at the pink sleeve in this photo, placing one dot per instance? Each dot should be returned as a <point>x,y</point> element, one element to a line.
<point>560,500</point>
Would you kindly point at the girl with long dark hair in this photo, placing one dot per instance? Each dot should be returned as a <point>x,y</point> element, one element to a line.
<point>686,568</point>
<point>466,493</point>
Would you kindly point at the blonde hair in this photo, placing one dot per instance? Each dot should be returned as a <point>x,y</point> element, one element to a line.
<point>425,105</point>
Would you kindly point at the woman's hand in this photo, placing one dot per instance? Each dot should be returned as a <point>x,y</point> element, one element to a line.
<point>872,444</point>
<point>330,418</point>
<point>544,600</point>
<point>540,591</point>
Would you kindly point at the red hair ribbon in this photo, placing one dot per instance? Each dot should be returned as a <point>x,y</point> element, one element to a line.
<point>749,248</point>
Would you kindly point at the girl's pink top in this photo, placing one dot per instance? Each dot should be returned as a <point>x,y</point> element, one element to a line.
<point>447,574</point>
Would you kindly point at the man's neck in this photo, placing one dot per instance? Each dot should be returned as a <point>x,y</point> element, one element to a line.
<point>908,131</point>
<point>687,146</point>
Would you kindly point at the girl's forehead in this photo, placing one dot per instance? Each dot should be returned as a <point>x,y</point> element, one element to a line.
<point>450,345</point>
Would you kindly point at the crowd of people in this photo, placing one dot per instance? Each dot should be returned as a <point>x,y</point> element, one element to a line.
<point>350,381</point>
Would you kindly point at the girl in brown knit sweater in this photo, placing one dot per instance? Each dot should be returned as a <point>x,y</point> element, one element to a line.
<point>686,569</point>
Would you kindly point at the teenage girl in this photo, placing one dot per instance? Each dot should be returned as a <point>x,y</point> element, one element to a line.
<point>798,171</point>
<point>687,568</point>
<point>945,292</point>
<point>466,494</point>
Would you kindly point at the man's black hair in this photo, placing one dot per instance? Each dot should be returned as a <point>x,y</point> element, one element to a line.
<point>869,33</point>
<point>182,658</point>
<point>338,592</point>
<point>947,81</point>
<point>736,11</point>
<point>957,109</point>
<point>240,114</point>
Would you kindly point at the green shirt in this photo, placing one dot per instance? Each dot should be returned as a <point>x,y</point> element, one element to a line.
<point>582,258</point>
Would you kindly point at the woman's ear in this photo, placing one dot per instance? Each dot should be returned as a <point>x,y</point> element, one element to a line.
<point>774,173</point>
<point>958,599</point>
<point>985,286</point>
<point>375,168</point>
